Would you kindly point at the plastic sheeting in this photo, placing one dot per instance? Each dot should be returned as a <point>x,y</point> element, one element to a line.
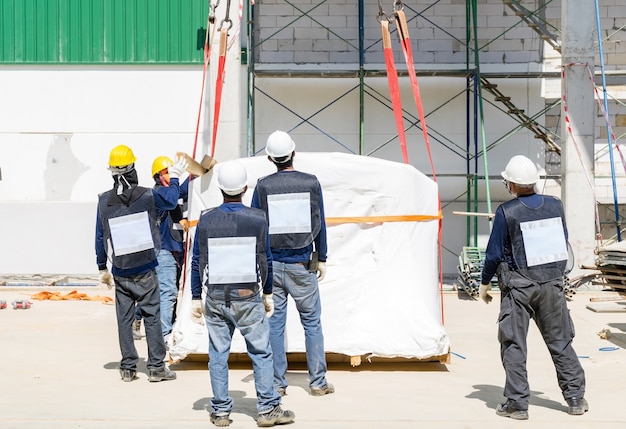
<point>380,296</point>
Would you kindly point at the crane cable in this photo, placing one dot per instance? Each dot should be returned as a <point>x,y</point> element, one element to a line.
<point>405,41</point>
<point>221,67</point>
<point>208,43</point>
<point>392,78</point>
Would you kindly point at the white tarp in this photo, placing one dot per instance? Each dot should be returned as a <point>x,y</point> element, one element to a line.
<point>380,295</point>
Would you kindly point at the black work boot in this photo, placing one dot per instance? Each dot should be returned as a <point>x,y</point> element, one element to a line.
<point>577,406</point>
<point>128,374</point>
<point>509,409</point>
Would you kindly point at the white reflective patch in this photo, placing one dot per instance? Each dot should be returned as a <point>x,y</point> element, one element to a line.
<point>232,260</point>
<point>544,241</point>
<point>289,213</point>
<point>131,233</point>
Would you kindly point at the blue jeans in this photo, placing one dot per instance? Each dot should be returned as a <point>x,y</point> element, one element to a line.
<point>166,271</point>
<point>297,281</point>
<point>249,317</point>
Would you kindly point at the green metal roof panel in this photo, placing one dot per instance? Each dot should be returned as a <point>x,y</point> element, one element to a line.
<point>101,31</point>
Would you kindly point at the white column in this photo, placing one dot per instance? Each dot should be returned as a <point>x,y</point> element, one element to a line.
<point>578,35</point>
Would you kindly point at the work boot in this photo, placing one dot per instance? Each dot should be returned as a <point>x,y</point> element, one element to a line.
<point>576,406</point>
<point>221,421</point>
<point>277,416</point>
<point>163,374</point>
<point>128,374</point>
<point>137,330</point>
<point>327,389</point>
<point>509,409</point>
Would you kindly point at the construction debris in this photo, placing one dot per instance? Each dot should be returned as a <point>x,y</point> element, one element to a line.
<point>73,295</point>
<point>470,267</point>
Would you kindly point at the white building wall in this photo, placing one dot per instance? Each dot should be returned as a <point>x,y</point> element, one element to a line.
<point>59,125</point>
<point>60,122</point>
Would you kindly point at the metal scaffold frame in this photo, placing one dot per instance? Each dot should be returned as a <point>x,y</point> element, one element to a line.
<point>477,86</point>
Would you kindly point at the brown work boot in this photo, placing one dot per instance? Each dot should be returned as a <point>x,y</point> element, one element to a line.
<point>164,374</point>
<point>327,389</point>
<point>277,416</point>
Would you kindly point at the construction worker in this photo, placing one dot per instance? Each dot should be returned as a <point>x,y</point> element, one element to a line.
<point>170,257</point>
<point>231,254</point>
<point>527,249</point>
<point>126,224</point>
<point>172,226</point>
<point>294,205</point>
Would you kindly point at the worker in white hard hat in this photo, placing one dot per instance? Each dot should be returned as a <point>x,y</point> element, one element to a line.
<point>527,250</point>
<point>295,207</point>
<point>126,222</point>
<point>231,255</point>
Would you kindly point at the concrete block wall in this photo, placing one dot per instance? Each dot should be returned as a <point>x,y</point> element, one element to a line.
<point>612,15</point>
<point>302,33</point>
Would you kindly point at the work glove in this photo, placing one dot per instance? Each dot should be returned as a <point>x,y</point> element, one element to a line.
<point>268,303</point>
<point>197,311</point>
<point>483,293</point>
<point>105,278</point>
<point>178,168</point>
<point>321,271</point>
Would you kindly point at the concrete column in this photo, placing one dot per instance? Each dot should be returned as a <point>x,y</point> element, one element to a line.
<point>230,143</point>
<point>577,154</point>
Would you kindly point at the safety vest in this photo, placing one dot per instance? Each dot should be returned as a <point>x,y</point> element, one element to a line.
<point>537,238</point>
<point>292,203</point>
<point>130,231</point>
<point>232,252</point>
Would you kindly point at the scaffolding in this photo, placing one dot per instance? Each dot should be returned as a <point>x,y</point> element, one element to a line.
<point>479,89</point>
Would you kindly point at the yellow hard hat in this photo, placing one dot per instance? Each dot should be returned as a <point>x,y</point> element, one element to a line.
<point>121,156</point>
<point>161,163</point>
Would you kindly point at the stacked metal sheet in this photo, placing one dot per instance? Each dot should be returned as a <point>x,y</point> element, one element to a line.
<point>611,262</point>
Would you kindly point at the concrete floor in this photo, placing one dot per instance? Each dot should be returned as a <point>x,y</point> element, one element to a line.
<point>59,370</point>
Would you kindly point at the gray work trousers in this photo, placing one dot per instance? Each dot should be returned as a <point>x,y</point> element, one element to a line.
<point>144,290</point>
<point>545,303</point>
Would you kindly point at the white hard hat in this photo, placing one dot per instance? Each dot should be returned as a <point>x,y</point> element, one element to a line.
<point>521,170</point>
<point>232,177</point>
<point>279,145</point>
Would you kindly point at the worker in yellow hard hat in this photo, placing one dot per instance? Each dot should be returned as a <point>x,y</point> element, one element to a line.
<point>172,225</point>
<point>127,226</point>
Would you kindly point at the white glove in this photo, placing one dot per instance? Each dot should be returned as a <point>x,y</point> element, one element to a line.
<point>321,271</point>
<point>106,279</point>
<point>483,293</point>
<point>178,168</point>
<point>268,303</point>
<point>197,311</point>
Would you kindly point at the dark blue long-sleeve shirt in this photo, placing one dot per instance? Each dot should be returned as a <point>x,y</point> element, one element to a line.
<point>167,241</point>
<point>499,239</point>
<point>165,198</point>
<point>293,256</point>
<point>196,284</point>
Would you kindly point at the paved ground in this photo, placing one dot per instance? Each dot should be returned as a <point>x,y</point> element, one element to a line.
<point>59,370</point>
